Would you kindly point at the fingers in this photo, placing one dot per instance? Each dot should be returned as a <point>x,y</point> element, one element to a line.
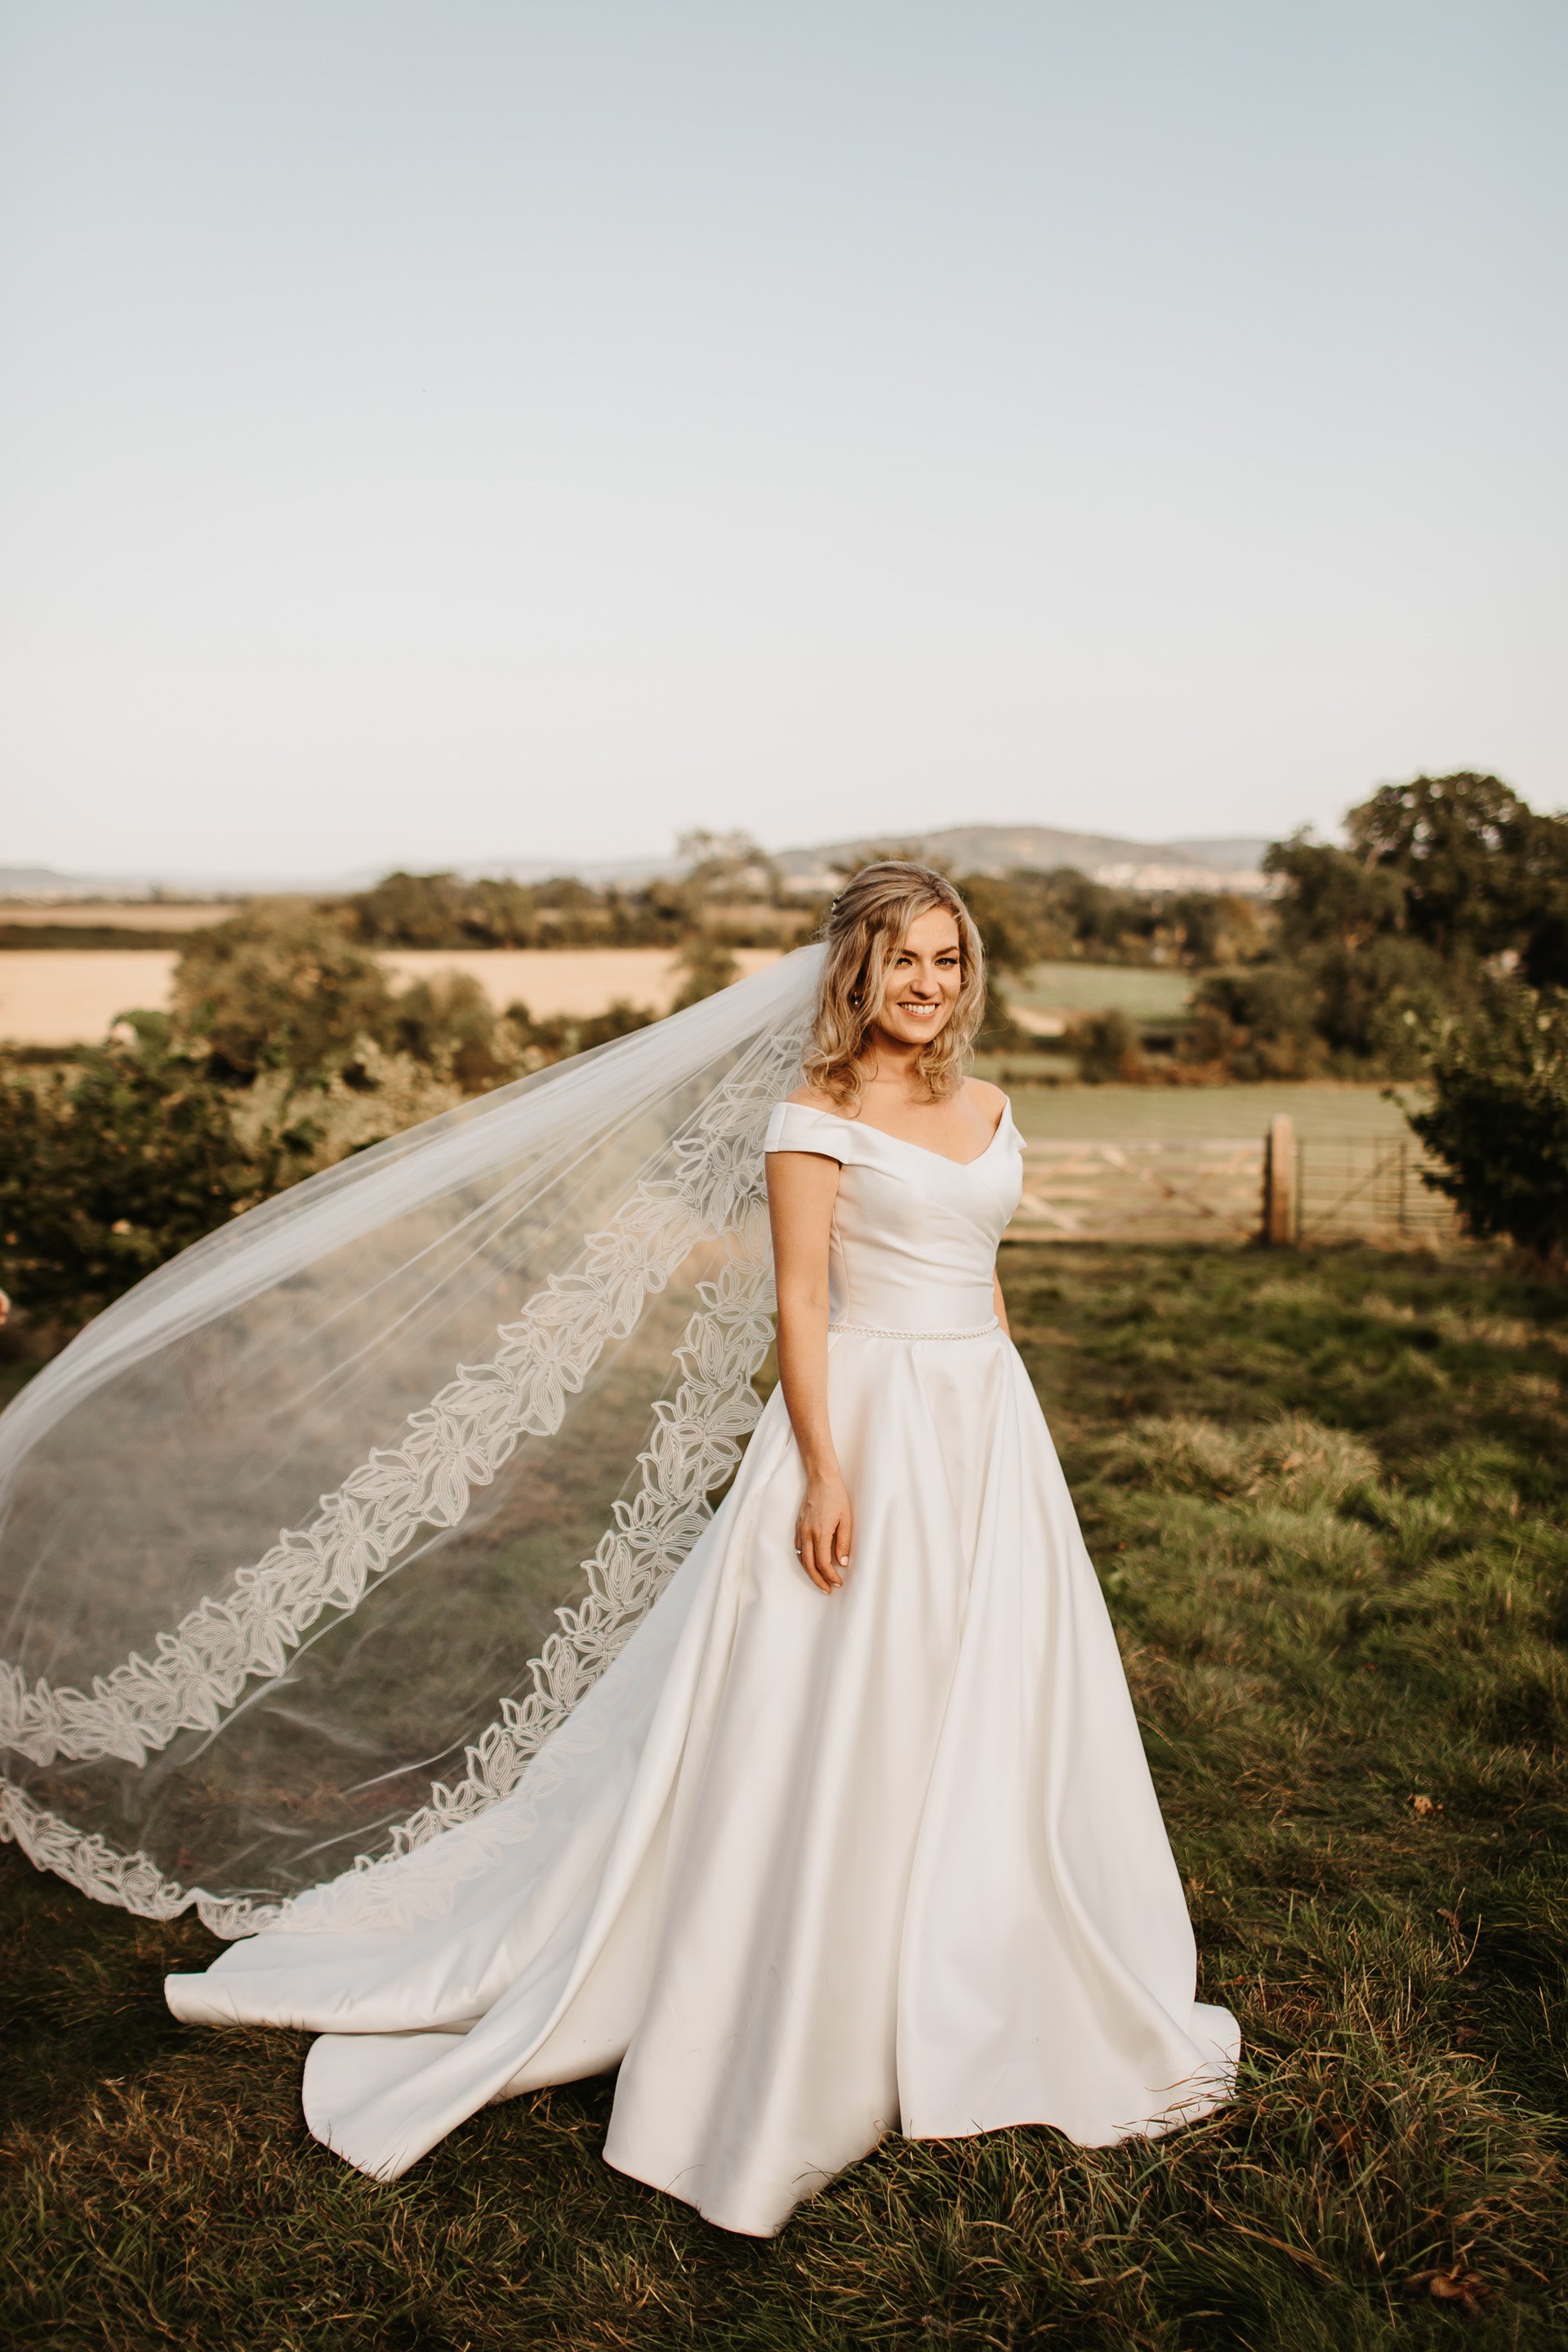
<point>814,1553</point>
<point>816,1558</point>
<point>823,1550</point>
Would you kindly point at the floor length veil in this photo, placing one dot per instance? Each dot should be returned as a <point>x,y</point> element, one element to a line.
<point>311,1540</point>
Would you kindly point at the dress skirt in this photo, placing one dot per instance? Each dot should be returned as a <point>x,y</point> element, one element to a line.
<point>810,1868</point>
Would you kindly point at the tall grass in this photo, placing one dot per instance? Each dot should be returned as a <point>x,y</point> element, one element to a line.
<point>1327,1499</point>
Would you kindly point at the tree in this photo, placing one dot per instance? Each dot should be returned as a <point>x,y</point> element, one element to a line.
<point>1498,1119</point>
<point>449,1024</point>
<point>416,911</point>
<point>1261,1022</point>
<point>1015,918</point>
<point>1544,957</point>
<point>1331,899</point>
<point>281,986</point>
<point>721,865</point>
<point>1377,1006</point>
<point>1029,916</point>
<point>1464,852</point>
<point>1445,879</point>
<point>1212,927</point>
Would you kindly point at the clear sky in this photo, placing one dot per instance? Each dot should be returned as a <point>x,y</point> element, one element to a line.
<point>433,430</point>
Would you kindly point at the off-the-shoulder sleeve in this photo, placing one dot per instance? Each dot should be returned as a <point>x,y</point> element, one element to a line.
<point>796,1127</point>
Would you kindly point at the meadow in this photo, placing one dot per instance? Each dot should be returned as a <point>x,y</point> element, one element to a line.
<point>1130,1114</point>
<point>1326,1494</point>
<point>1143,992</point>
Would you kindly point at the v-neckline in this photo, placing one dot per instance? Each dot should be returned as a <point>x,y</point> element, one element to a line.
<point>889,1137</point>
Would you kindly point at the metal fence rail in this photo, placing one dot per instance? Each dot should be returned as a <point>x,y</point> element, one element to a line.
<point>1279,1187</point>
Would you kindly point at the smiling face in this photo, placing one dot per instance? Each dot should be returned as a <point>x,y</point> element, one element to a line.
<point>924,973</point>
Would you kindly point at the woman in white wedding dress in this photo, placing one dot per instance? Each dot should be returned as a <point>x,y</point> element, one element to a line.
<point>856,1835</point>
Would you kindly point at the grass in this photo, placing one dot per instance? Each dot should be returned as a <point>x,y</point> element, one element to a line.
<point>1143,992</point>
<point>1327,1495</point>
<point>1118,1114</point>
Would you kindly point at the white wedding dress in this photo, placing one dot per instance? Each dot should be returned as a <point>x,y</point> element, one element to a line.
<point>808,1868</point>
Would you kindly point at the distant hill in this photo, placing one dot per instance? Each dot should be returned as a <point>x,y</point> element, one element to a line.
<point>44,882</point>
<point>1224,863</point>
<point>1221,863</point>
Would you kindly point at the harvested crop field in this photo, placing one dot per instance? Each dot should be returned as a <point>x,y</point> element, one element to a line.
<point>118,915</point>
<point>575,981</point>
<point>63,996</point>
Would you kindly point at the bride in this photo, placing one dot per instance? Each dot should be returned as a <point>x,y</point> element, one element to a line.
<point>855,1835</point>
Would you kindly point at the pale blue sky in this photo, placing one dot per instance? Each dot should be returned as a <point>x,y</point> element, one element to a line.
<point>445,430</point>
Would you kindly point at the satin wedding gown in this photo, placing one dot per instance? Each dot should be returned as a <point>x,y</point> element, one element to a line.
<point>810,1868</point>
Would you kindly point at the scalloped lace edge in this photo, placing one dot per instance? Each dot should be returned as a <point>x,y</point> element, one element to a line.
<point>461,1440</point>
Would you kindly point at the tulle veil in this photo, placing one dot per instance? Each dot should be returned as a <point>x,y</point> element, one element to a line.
<point>313,1542</point>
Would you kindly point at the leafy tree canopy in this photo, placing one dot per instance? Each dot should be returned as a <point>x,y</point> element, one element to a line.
<point>1460,863</point>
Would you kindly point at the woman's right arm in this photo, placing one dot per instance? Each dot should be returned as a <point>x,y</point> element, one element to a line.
<point>802,1189</point>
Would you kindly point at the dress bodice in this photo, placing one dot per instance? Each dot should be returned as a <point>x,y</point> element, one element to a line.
<point>914,1236</point>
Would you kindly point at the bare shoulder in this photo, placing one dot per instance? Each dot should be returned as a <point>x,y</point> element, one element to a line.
<point>992,1100</point>
<point>810,1098</point>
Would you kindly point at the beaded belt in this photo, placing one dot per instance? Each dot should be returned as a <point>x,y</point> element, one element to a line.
<point>874,1331</point>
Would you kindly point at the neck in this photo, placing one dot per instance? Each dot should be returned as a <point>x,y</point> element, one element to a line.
<point>889,1061</point>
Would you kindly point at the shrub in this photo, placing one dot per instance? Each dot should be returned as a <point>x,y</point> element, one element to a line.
<point>280,986</point>
<point>555,1038</point>
<point>1106,1046</point>
<point>287,1051</point>
<point>1257,1024</point>
<point>709,966</point>
<point>449,1024</point>
<point>108,1168</point>
<point>1498,1117</point>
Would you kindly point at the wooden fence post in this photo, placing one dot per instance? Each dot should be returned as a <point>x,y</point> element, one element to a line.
<point>1279,1182</point>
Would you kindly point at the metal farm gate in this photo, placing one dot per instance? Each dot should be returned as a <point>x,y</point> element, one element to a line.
<point>1141,1192</point>
<point>1350,1187</point>
<point>1279,1188</point>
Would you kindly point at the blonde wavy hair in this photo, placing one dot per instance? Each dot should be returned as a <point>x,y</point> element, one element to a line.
<point>865,927</point>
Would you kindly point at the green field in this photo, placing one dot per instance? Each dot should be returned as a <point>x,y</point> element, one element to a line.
<point>1327,1495</point>
<point>1145,993</point>
<point>1114,1114</point>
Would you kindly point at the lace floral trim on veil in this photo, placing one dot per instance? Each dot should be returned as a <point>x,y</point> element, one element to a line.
<point>460,1441</point>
